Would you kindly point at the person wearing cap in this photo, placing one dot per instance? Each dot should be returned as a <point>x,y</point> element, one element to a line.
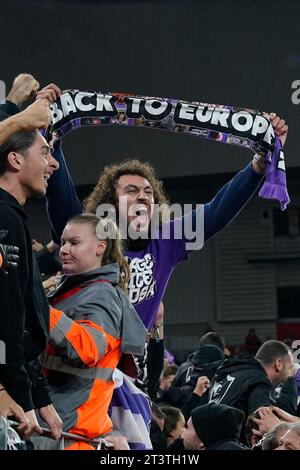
<point>214,427</point>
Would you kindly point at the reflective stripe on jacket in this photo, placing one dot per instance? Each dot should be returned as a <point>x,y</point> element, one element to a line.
<point>86,331</point>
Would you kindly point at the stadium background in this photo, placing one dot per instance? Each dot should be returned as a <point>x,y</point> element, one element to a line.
<point>239,52</point>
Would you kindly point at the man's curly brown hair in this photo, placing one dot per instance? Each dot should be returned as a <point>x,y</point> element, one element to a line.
<point>105,190</point>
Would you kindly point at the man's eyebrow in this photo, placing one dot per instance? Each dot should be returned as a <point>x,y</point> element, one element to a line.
<point>45,147</point>
<point>148,186</point>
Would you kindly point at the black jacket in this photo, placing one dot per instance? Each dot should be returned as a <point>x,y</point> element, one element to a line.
<point>158,439</point>
<point>7,108</point>
<point>228,444</point>
<point>24,318</point>
<point>244,384</point>
<point>155,365</point>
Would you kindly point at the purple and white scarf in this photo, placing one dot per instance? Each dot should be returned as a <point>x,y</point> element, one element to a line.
<point>226,124</point>
<point>130,412</point>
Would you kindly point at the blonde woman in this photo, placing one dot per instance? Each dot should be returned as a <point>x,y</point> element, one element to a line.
<point>91,323</point>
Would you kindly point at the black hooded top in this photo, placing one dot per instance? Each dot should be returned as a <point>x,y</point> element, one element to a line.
<point>205,361</point>
<point>242,383</point>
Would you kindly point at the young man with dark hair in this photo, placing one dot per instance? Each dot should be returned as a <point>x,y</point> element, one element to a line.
<point>25,167</point>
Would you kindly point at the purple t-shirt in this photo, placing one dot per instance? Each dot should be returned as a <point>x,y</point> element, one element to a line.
<point>151,269</point>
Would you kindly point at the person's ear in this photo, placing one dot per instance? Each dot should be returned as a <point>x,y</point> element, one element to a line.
<point>101,247</point>
<point>14,161</point>
<point>278,365</point>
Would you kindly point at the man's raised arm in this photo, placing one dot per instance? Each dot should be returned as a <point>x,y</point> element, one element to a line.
<point>36,116</point>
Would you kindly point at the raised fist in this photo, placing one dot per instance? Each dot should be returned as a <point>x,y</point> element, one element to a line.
<point>24,87</point>
<point>36,116</point>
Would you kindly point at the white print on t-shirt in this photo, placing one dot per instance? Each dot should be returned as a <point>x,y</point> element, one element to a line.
<point>142,283</point>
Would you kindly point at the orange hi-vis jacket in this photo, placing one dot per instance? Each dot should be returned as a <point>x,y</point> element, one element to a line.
<point>91,323</point>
